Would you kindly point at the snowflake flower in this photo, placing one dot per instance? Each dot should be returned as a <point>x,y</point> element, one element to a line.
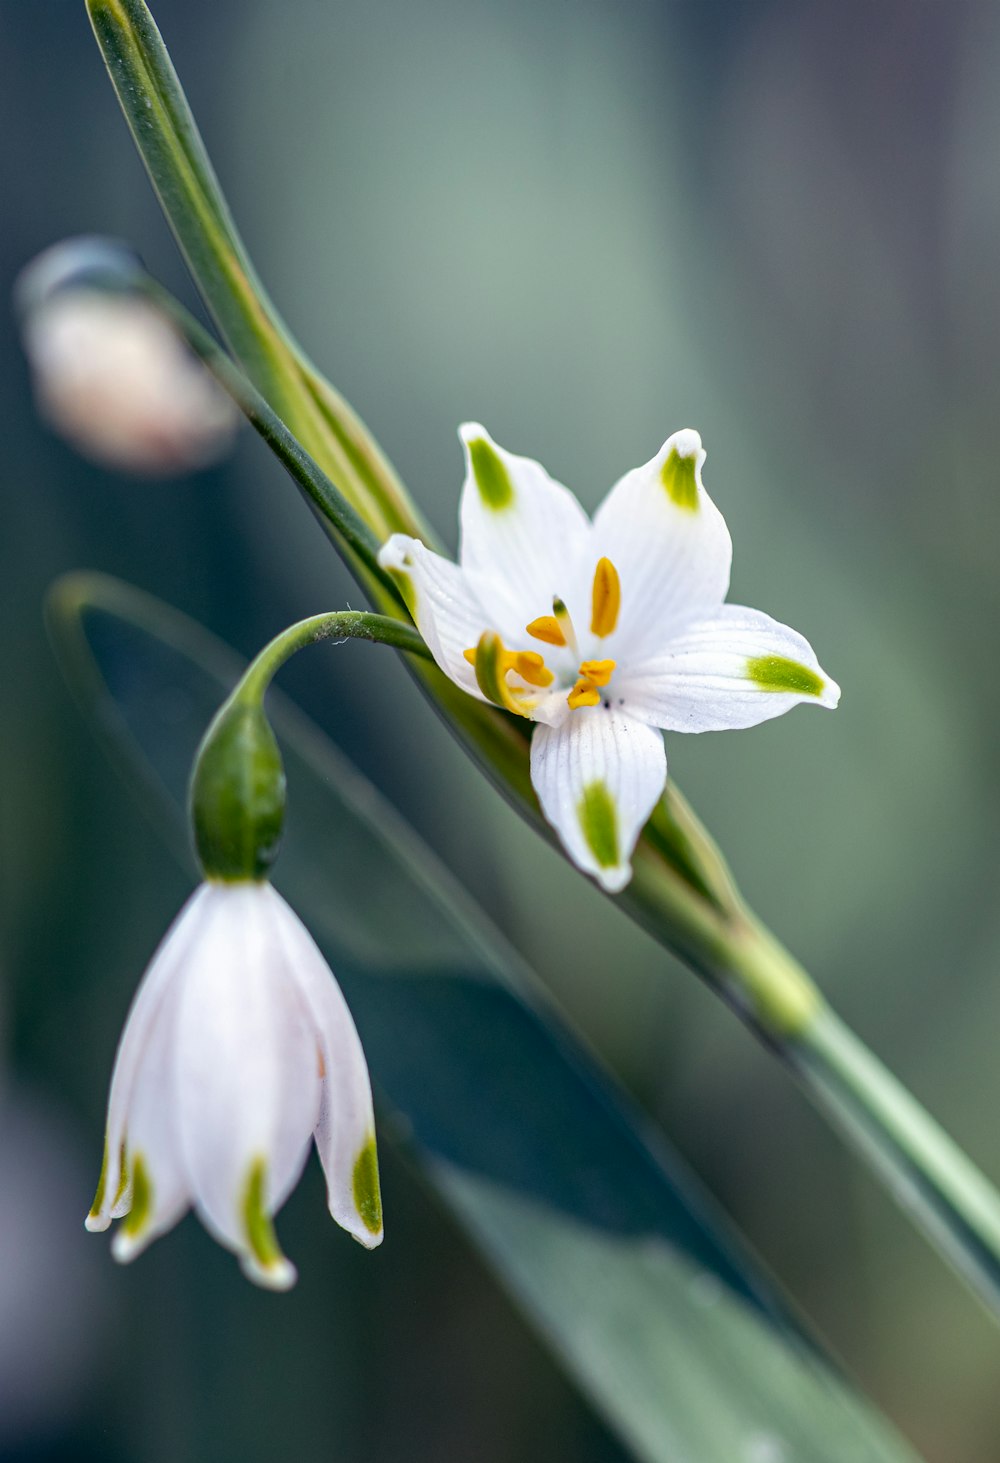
<point>238,1049</point>
<point>602,632</point>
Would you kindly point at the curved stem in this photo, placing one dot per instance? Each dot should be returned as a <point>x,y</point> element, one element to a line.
<point>335,625</point>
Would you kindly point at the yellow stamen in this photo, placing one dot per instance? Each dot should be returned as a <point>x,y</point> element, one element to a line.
<point>598,671</point>
<point>606,598</point>
<point>546,628</point>
<point>530,666</point>
<point>584,693</point>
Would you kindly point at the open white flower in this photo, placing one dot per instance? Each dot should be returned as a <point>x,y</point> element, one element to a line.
<point>238,1049</point>
<point>604,632</point>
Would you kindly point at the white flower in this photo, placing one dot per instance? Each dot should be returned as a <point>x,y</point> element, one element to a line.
<point>603,632</point>
<point>113,376</point>
<point>238,1049</point>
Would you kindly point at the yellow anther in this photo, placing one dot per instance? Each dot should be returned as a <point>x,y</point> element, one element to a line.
<point>470,655</point>
<point>531,668</point>
<point>598,671</point>
<point>546,628</point>
<point>584,693</point>
<point>606,598</point>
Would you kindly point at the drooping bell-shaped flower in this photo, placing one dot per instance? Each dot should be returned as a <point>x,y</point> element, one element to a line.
<point>239,1048</point>
<point>605,632</point>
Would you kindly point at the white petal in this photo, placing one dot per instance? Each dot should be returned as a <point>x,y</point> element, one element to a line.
<point>345,1132</point>
<point>734,670</point>
<point>522,534</point>
<point>670,546</point>
<point>442,603</point>
<point>163,969</point>
<point>598,778</point>
<point>248,1078</point>
<point>158,1191</point>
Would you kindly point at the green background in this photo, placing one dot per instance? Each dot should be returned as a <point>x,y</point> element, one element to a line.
<point>587,226</point>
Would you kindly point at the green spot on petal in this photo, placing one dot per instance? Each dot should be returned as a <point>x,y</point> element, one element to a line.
<point>261,1238</point>
<point>492,477</point>
<point>599,821</point>
<point>122,1177</point>
<point>775,673</point>
<point>102,1182</point>
<point>367,1195</point>
<point>404,583</point>
<point>678,477</point>
<point>137,1218</point>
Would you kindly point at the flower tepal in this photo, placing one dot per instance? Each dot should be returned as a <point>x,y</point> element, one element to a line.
<point>605,632</point>
<point>238,1049</point>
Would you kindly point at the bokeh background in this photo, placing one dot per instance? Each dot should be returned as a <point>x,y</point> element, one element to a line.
<point>586,225</point>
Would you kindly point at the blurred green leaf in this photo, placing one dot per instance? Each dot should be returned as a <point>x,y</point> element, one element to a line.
<point>615,1253</point>
<point>170,145</point>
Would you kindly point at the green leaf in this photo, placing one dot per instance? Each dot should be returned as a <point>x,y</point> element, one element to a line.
<point>614,1252</point>
<point>170,145</point>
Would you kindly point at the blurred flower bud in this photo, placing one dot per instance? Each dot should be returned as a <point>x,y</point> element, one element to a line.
<point>111,373</point>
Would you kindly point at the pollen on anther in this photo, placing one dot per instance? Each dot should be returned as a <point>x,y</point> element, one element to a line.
<point>598,671</point>
<point>606,598</point>
<point>546,628</point>
<point>584,693</point>
<point>530,666</point>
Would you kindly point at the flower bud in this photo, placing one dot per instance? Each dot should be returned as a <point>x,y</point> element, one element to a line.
<point>238,795</point>
<point>111,373</point>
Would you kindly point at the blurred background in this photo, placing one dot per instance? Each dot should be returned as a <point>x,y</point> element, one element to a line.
<point>586,225</point>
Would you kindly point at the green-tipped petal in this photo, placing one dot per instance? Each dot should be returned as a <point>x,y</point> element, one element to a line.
<point>733,670</point>
<point>345,1131</point>
<point>669,544</point>
<point>442,602</point>
<point>248,1084</point>
<point>598,777</point>
<point>521,534</point>
<point>262,1260</point>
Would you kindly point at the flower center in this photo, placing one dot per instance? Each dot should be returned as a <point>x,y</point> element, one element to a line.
<point>593,675</point>
<point>493,662</point>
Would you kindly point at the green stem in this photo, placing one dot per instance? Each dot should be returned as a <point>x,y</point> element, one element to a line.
<point>945,1195</point>
<point>334,625</point>
<point>933,1180</point>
